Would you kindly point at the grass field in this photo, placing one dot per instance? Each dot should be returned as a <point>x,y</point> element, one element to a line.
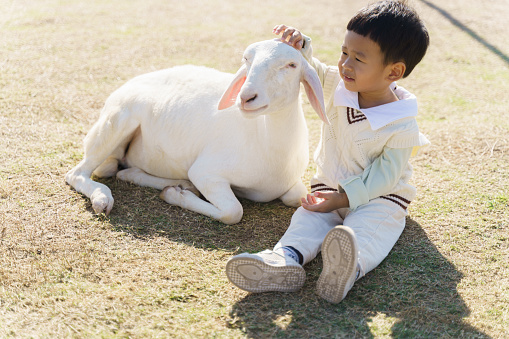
<point>153,270</point>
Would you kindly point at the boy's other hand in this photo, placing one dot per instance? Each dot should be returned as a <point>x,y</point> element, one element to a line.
<point>290,36</point>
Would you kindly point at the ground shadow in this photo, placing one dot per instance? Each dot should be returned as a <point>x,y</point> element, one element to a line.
<point>469,31</point>
<point>415,288</point>
<point>140,212</point>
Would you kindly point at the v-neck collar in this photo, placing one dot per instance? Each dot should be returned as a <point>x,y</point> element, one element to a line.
<point>382,115</point>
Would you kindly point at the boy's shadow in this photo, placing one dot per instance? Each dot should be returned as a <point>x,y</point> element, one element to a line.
<point>413,293</point>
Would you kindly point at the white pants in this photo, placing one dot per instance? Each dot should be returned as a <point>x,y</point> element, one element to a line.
<point>377,226</point>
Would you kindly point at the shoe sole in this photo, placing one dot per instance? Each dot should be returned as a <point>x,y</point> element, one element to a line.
<point>339,255</point>
<point>253,275</point>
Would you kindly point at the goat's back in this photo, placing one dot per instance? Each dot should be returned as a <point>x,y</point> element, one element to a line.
<point>178,88</point>
<point>176,109</point>
<point>182,98</point>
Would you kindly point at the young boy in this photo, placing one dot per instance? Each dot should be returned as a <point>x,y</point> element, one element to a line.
<point>363,169</point>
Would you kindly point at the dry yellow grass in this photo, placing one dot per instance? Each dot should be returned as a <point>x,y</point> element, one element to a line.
<point>154,270</point>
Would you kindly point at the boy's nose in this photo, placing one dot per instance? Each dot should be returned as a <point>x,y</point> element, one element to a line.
<point>346,64</point>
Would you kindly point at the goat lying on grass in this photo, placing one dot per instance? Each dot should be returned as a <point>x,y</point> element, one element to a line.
<point>169,132</point>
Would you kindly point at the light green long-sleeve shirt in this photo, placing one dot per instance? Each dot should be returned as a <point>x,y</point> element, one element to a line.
<point>379,178</point>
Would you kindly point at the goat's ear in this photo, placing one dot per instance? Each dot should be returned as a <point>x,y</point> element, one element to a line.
<point>230,95</point>
<point>314,90</point>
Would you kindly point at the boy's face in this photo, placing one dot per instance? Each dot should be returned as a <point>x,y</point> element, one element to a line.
<point>361,66</point>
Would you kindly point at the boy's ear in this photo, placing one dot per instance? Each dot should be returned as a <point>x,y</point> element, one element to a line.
<point>397,71</point>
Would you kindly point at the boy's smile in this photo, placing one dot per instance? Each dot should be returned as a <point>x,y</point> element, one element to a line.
<point>362,69</point>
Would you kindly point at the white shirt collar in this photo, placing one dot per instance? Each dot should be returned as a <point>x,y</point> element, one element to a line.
<point>379,116</point>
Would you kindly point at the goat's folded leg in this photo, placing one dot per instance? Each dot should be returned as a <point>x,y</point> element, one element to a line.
<point>293,195</point>
<point>221,205</point>
<point>141,178</point>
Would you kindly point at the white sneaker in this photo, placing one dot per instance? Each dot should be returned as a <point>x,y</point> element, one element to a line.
<point>265,271</point>
<point>339,254</point>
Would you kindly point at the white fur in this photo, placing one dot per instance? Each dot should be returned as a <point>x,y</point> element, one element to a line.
<point>166,127</point>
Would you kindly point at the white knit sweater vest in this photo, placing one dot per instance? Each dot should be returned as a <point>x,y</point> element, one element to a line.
<point>349,145</point>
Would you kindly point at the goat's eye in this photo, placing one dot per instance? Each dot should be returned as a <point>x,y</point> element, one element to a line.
<point>292,65</point>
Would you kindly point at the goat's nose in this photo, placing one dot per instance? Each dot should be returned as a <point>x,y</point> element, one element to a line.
<point>248,98</point>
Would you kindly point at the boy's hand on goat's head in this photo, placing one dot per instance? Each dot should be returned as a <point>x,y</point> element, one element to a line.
<point>290,35</point>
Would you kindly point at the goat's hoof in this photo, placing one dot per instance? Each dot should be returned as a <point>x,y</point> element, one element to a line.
<point>175,195</point>
<point>101,202</point>
<point>190,188</point>
<point>171,194</point>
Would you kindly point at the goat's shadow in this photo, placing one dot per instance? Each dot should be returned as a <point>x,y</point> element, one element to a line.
<point>414,289</point>
<point>140,212</point>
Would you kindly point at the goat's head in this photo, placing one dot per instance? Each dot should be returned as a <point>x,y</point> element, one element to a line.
<point>269,80</point>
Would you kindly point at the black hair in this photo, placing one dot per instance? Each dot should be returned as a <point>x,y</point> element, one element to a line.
<point>396,28</point>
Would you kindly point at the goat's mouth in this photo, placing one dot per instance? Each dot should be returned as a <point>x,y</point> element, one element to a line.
<point>255,111</point>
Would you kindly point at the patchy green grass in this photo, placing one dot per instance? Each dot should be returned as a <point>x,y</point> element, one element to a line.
<point>154,270</point>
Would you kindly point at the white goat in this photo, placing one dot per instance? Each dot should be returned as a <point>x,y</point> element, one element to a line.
<point>169,131</point>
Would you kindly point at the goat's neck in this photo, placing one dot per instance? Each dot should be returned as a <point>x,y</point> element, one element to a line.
<point>285,128</point>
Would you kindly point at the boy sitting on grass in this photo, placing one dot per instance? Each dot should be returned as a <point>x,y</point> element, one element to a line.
<point>360,193</point>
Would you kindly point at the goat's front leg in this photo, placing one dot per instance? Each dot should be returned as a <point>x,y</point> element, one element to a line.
<point>222,203</point>
<point>103,140</point>
<point>99,194</point>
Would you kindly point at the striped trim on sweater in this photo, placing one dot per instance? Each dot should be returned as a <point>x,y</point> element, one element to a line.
<point>397,199</point>
<point>322,188</point>
<point>354,115</point>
